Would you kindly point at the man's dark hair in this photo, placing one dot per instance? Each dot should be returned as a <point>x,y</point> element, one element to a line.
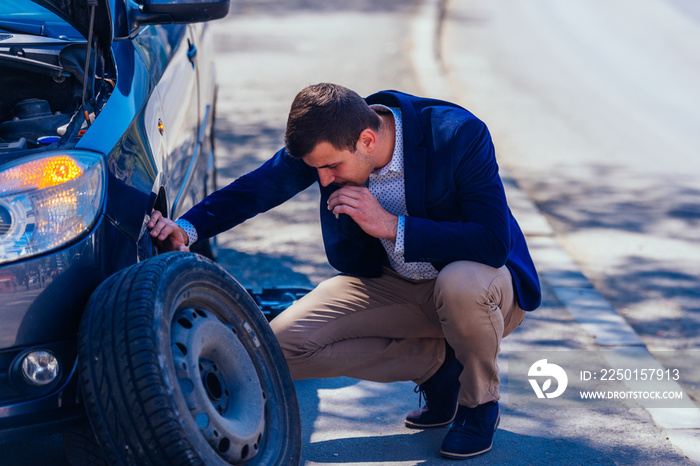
<point>327,113</point>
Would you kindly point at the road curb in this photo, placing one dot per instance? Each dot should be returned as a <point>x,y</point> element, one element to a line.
<point>588,307</point>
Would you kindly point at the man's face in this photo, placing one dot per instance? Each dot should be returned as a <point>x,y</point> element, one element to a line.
<point>340,167</point>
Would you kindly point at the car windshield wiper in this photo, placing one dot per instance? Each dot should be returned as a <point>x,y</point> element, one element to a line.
<point>22,28</point>
<point>19,27</point>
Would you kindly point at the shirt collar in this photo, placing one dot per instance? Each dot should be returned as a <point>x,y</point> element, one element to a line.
<point>396,163</point>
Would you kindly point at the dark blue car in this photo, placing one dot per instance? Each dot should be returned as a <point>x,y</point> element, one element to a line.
<point>106,113</point>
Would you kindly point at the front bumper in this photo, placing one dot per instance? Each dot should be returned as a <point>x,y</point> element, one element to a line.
<point>42,302</point>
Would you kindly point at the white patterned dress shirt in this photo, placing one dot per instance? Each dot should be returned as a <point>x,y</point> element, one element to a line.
<point>387,185</point>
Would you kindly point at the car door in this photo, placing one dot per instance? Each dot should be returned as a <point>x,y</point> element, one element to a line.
<point>176,86</point>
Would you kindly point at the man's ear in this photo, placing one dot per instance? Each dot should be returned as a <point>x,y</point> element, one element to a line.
<point>367,140</point>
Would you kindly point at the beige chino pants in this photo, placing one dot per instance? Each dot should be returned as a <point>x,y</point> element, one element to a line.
<point>392,329</point>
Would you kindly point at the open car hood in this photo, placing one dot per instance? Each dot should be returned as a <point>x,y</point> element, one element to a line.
<point>77,13</point>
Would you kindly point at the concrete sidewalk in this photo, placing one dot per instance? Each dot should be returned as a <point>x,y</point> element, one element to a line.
<point>348,422</point>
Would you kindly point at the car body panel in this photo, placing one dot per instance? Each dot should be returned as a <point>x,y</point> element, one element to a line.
<point>42,313</point>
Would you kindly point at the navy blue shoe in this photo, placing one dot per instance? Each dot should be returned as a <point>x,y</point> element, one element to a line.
<point>440,394</point>
<point>472,432</point>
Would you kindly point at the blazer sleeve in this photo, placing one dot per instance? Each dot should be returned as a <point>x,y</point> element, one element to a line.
<point>268,186</point>
<point>478,227</point>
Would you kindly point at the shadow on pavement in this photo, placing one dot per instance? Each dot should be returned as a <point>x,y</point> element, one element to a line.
<point>261,270</point>
<point>644,231</point>
<point>509,448</point>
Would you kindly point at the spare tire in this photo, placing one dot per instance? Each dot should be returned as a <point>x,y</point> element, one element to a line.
<point>179,366</point>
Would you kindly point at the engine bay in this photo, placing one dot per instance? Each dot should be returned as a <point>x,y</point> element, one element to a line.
<point>46,98</point>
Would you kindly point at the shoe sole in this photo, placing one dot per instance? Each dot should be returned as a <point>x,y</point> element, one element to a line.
<point>464,456</point>
<point>458,456</point>
<point>413,425</point>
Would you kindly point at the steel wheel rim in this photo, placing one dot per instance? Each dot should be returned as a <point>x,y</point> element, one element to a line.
<point>219,382</point>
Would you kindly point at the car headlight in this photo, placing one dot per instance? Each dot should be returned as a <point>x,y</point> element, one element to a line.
<point>47,201</point>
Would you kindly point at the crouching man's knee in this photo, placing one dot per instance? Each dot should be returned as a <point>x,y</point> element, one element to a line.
<point>471,281</point>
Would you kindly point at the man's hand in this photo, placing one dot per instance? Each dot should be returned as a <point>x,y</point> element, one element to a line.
<point>359,203</point>
<point>168,235</point>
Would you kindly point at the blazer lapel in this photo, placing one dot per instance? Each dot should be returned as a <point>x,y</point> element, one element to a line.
<point>414,156</point>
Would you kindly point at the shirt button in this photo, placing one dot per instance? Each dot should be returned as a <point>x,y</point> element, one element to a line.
<point>416,276</point>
